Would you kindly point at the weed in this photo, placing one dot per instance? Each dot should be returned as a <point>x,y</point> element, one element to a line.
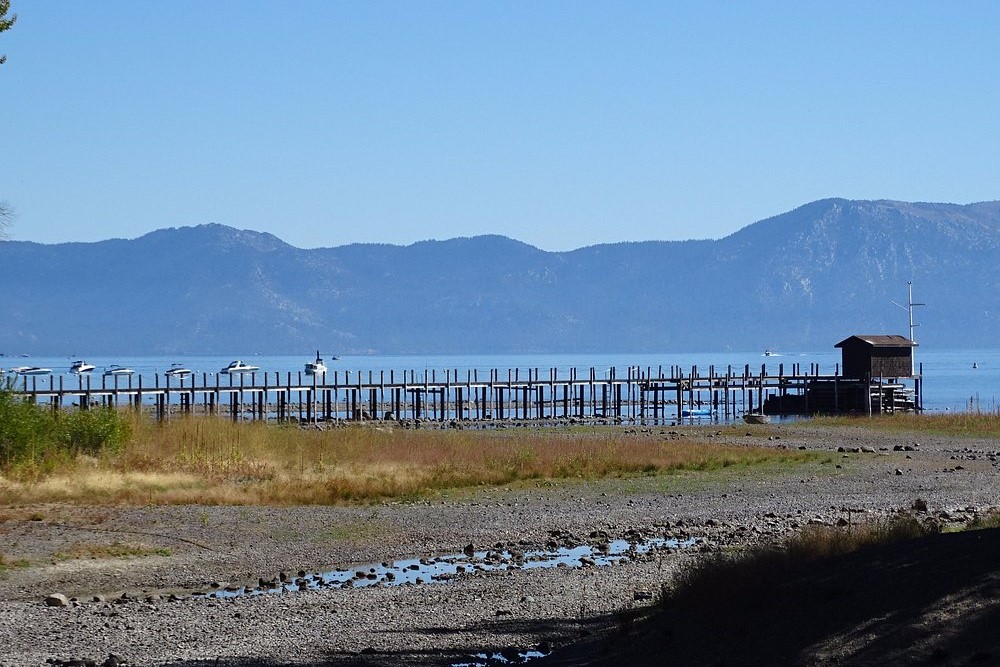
<point>7,564</point>
<point>745,573</point>
<point>89,550</point>
<point>990,519</point>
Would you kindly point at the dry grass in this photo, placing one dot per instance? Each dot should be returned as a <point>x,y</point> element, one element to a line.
<point>201,460</point>
<point>966,424</point>
<point>96,551</point>
<point>747,573</point>
<point>7,563</point>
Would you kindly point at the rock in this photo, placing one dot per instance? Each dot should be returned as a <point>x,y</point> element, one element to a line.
<point>114,661</point>
<point>469,550</point>
<point>57,600</point>
<point>898,471</point>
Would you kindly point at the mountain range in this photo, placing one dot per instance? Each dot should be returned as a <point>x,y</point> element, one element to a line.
<point>802,280</point>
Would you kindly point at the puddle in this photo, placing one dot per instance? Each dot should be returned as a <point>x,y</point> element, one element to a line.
<point>437,569</point>
<point>506,658</point>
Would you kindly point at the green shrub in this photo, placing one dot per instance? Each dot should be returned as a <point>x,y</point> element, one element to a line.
<point>32,434</point>
<point>25,430</point>
<point>93,431</point>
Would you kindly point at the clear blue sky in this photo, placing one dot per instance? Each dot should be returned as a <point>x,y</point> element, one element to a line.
<point>562,124</point>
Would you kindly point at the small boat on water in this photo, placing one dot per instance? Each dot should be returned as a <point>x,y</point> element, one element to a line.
<point>756,418</point>
<point>115,369</point>
<point>177,370</point>
<point>316,367</point>
<point>81,366</point>
<point>239,367</point>
<point>697,412</point>
<point>30,370</point>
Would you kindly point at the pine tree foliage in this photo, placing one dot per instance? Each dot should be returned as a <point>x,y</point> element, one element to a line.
<point>5,22</point>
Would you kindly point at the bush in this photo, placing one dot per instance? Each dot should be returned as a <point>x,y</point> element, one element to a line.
<point>93,431</point>
<point>26,430</point>
<point>31,434</point>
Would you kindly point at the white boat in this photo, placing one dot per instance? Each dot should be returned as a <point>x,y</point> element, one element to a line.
<point>316,367</point>
<point>177,370</point>
<point>81,366</point>
<point>115,369</point>
<point>30,370</point>
<point>239,367</point>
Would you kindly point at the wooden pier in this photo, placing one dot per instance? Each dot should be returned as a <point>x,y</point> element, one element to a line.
<point>656,395</point>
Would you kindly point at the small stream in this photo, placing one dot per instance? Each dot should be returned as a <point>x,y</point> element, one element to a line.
<point>444,568</point>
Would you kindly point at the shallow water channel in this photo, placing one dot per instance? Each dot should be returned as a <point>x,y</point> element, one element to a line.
<point>443,568</point>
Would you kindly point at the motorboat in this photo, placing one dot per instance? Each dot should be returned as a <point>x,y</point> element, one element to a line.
<point>316,367</point>
<point>81,366</point>
<point>239,367</point>
<point>177,370</point>
<point>115,369</point>
<point>30,370</point>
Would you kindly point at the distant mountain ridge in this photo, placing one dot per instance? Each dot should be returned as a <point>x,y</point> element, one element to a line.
<point>800,280</point>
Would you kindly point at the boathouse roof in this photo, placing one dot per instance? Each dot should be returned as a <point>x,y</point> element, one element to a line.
<point>880,340</point>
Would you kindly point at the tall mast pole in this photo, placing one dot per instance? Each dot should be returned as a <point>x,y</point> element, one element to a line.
<point>909,308</point>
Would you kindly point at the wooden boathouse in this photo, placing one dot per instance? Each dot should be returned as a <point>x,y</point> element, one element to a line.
<point>873,357</point>
<point>871,382</point>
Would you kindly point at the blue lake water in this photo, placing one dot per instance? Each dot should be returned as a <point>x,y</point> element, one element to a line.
<point>950,381</point>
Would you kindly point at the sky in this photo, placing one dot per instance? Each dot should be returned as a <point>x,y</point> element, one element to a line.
<point>562,124</point>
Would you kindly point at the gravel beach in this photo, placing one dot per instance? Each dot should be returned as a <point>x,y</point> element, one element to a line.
<point>160,607</point>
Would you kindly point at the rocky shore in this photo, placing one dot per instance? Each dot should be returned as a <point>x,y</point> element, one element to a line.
<point>213,585</point>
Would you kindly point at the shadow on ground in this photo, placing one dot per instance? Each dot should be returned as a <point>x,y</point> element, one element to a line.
<point>931,601</point>
<point>934,601</point>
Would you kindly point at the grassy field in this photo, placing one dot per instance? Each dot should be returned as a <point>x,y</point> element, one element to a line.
<point>965,424</point>
<point>215,461</point>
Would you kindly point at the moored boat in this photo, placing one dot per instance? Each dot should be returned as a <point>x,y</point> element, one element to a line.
<point>81,366</point>
<point>697,412</point>
<point>239,367</point>
<point>30,370</point>
<point>316,367</point>
<point>115,369</point>
<point>177,370</point>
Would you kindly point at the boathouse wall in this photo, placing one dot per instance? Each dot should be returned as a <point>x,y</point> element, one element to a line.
<point>878,356</point>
